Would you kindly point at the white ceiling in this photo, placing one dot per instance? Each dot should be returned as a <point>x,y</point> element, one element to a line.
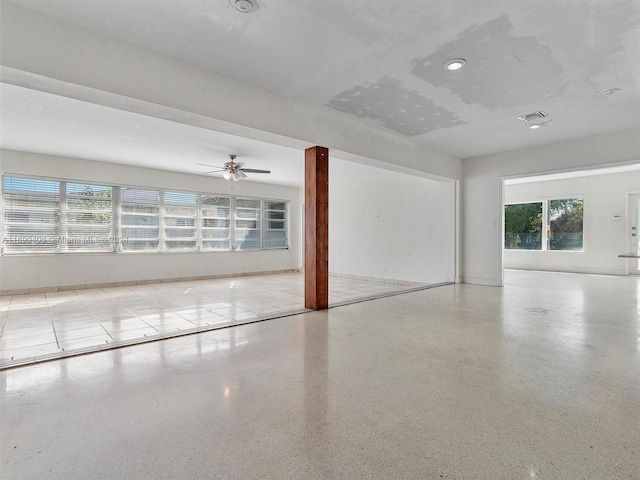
<point>40,122</point>
<point>376,61</point>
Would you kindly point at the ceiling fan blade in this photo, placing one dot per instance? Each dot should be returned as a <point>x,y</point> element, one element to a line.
<point>207,165</point>
<point>217,169</point>
<point>253,170</point>
<point>241,173</point>
<point>238,165</point>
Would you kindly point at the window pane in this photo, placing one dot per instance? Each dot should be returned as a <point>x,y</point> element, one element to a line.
<point>87,219</point>
<point>215,233</point>
<point>275,243</point>
<point>216,245</point>
<point>139,195</point>
<point>565,224</point>
<point>31,215</point>
<point>247,203</point>
<point>275,232</point>
<point>216,222</point>
<point>275,215</point>
<point>269,205</point>
<point>214,200</point>
<point>179,198</point>
<point>276,225</point>
<point>246,213</point>
<point>142,233</point>
<point>130,217</point>
<point>523,226</point>
<point>248,225</point>
<point>248,239</point>
<point>215,226</point>
<point>180,221</point>
<point>140,219</point>
<point>180,244</point>
<point>137,245</point>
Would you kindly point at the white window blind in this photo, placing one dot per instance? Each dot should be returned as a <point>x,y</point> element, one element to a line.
<point>51,216</point>
<point>31,215</point>
<point>140,219</point>
<point>180,221</point>
<point>215,222</point>
<point>86,219</point>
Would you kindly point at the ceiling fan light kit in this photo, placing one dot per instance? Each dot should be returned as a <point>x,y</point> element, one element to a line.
<point>233,170</point>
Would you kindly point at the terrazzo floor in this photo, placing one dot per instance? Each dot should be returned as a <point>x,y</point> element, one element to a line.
<point>536,380</point>
<point>45,325</point>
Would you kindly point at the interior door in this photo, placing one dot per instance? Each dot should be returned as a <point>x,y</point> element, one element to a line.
<point>634,221</point>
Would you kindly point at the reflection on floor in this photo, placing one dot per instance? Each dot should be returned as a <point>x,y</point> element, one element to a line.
<point>537,380</point>
<point>56,324</point>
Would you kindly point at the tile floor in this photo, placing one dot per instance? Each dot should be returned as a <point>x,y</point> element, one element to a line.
<point>60,323</point>
<point>536,380</point>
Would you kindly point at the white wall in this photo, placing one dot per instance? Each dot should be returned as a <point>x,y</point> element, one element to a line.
<point>390,225</point>
<point>18,272</point>
<point>605,197</point>
<point>482,209</point>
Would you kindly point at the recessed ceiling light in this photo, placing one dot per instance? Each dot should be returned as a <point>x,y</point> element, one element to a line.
<point>533,126</point>
<point>612,91</point>
<point>244,6</point>
<point>455,64</point>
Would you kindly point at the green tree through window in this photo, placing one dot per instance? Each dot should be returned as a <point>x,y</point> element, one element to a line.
<point>88,218</point>
<point>523,226</point>
<point>565,224</point>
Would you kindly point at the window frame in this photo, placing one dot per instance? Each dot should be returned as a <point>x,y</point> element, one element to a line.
<point>549,220</point>
<point>542,226</point>
<point>119,229</point>
<point>546,224</point>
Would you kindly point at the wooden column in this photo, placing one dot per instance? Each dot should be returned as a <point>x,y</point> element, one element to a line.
<point>316,244</point>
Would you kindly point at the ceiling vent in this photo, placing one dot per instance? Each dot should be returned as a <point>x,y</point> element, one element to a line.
<point>535,117</point>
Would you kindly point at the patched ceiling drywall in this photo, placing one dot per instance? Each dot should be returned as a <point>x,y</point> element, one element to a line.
<point>391,105</point>
<point>382,63</point>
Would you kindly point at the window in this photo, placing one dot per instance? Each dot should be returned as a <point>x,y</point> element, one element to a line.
<point>31,215</point>
<point>140,219</point>
<point>275,224</point>
<point>86,220</point>
<point>565,224</point>
<point>51,216</point>
<point>561,219</point>
<point>215,223</point>
<point>248,226</point>
<point>523,226</point>
<point>260,224</point>
<point>180,221</point>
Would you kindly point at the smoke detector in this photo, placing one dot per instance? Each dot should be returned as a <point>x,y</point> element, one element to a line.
<point>244,6</point>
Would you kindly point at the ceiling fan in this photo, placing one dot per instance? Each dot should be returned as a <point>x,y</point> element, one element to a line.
<point>233,170</point>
